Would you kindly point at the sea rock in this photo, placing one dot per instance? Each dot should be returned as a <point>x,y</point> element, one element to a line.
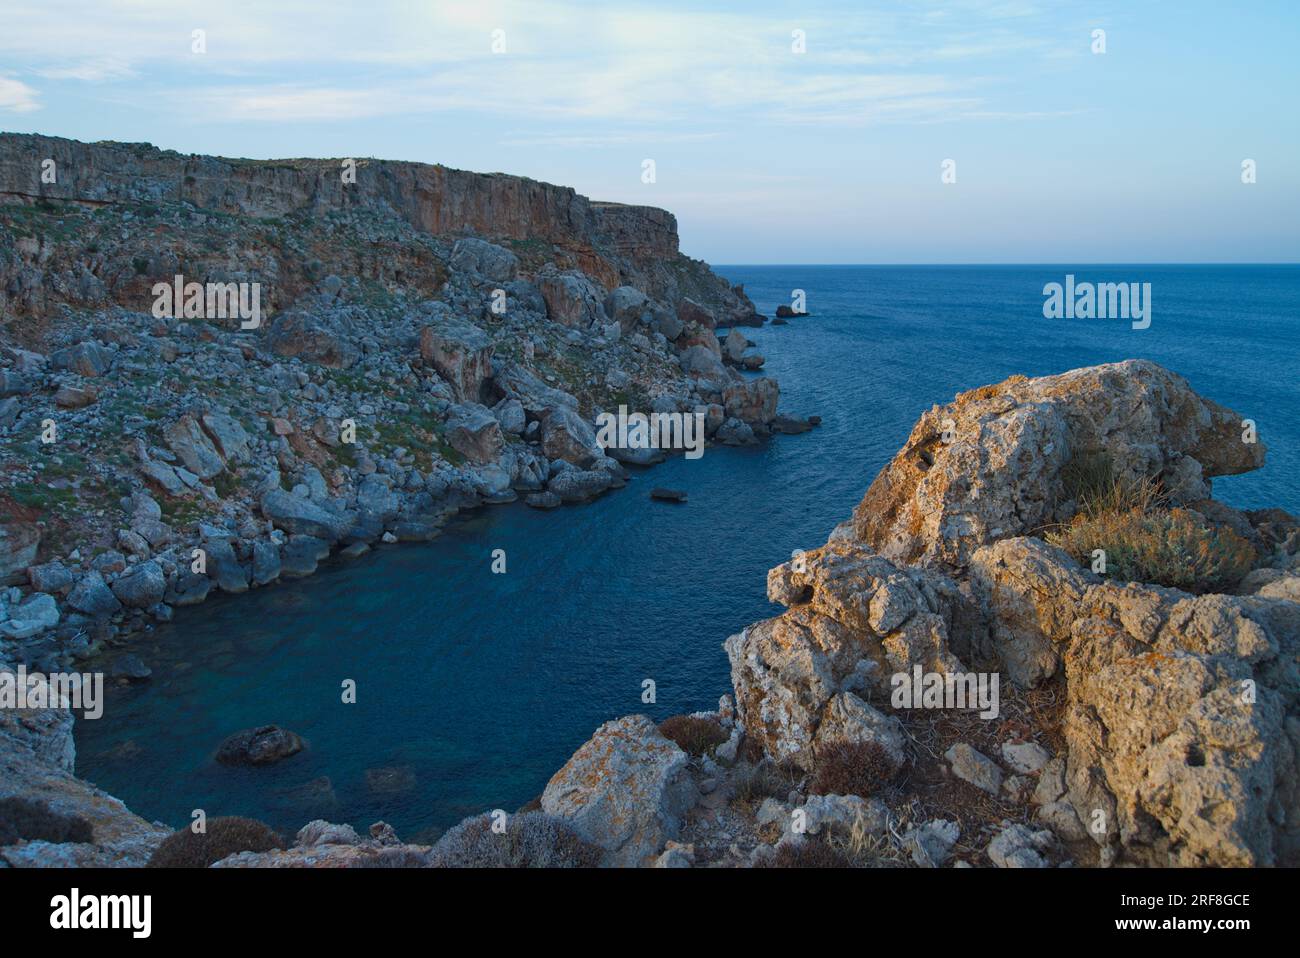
<point>626,789</point>
<point>578,485</point>
<point>259,746</point>
<point>298,515</point>
<point>92,596</point>
<point>142,586</point>
<point>566,435</point>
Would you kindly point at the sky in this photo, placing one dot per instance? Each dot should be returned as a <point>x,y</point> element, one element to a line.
<point>766,154</point>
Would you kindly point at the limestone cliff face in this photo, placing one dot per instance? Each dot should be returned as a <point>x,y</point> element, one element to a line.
<point>612,242</point>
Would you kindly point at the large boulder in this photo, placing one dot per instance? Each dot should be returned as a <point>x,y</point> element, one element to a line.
<point>142,586</point>
<point>854,620</point>
<point>475,433</point>
<point>327,339</point>
<point>462,355</point>
<point>299,515</point>
<point>566,435</point>
<point>493,263</point>
<point>626,790</point>
<point>572,299</point>
<point>87,359</point>
<point>989,464</point>
<point>753,401</point>
<point>192,446</point>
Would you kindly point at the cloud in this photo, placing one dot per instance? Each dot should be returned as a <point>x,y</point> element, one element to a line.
<point>17,96</point>
<point>99,70</point>
<point>639,63</point>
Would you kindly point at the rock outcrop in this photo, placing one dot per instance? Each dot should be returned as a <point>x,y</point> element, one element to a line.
<point>988,465</point>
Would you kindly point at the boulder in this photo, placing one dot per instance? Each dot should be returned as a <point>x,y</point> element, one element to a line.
<point>626,790</point>
<point>566,435</point>
<point>92,596</point>
<point>494,264</point>
<point>142,586</point>
<point>576,485</point>
<point>88,359</point>
<point>186,438</point>
<point>324,338</point>
<point>228,435</point>
<point>970,765</point>
<point>989,465</point>
<point>689,312</point>
<point>462,355</point>
<point>259,746</point>
<point>572,299</point>
<point>474,432</point>
<point>36,614</point>
<point>298,515</point>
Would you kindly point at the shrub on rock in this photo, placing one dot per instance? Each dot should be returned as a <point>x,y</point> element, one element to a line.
<point>693,734</point>
<point>852,768</point>
<point>1171,547</point>
<point>530,840</point>
<point>222,838</point>
<point>23,818</point>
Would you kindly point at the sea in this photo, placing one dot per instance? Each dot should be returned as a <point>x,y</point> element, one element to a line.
<point>472,687</point>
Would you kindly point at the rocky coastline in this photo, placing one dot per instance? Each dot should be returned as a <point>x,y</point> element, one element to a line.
<point>1133,723</point>
<point>152,456</point>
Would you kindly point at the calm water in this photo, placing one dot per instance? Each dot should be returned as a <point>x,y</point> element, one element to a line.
<point>473,687</point>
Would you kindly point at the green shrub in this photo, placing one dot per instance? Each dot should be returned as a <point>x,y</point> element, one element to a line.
<point>222,838</point>
<point>530,840</point>
<point>22,818</point>
<point>1171,547</point>
<point>851,768</point>
<point>694,735</point>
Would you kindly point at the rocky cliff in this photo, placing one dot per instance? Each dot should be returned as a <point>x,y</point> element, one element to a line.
<point>1130,722</point>
<point>613,243</point>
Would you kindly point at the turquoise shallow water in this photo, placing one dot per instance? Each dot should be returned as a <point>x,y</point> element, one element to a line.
<point>473,687</point>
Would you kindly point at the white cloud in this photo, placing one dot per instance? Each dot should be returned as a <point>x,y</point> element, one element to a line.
<point>642,63</point>
<point>17,96</point>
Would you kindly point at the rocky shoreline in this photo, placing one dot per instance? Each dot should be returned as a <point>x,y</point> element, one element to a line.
<point>1137,724</point>
<point>150,458</point>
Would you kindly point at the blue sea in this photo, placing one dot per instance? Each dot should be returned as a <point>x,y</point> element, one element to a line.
<point>474,687</point>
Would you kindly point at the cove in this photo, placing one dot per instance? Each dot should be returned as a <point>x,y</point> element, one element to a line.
<point>473,688</point>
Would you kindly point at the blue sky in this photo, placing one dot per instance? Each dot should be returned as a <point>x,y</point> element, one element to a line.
<point>765,155</point>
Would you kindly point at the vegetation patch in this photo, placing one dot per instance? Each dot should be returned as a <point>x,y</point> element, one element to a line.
<point>694,735</point>
<point>222,838</point>
<point>851,768</point>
